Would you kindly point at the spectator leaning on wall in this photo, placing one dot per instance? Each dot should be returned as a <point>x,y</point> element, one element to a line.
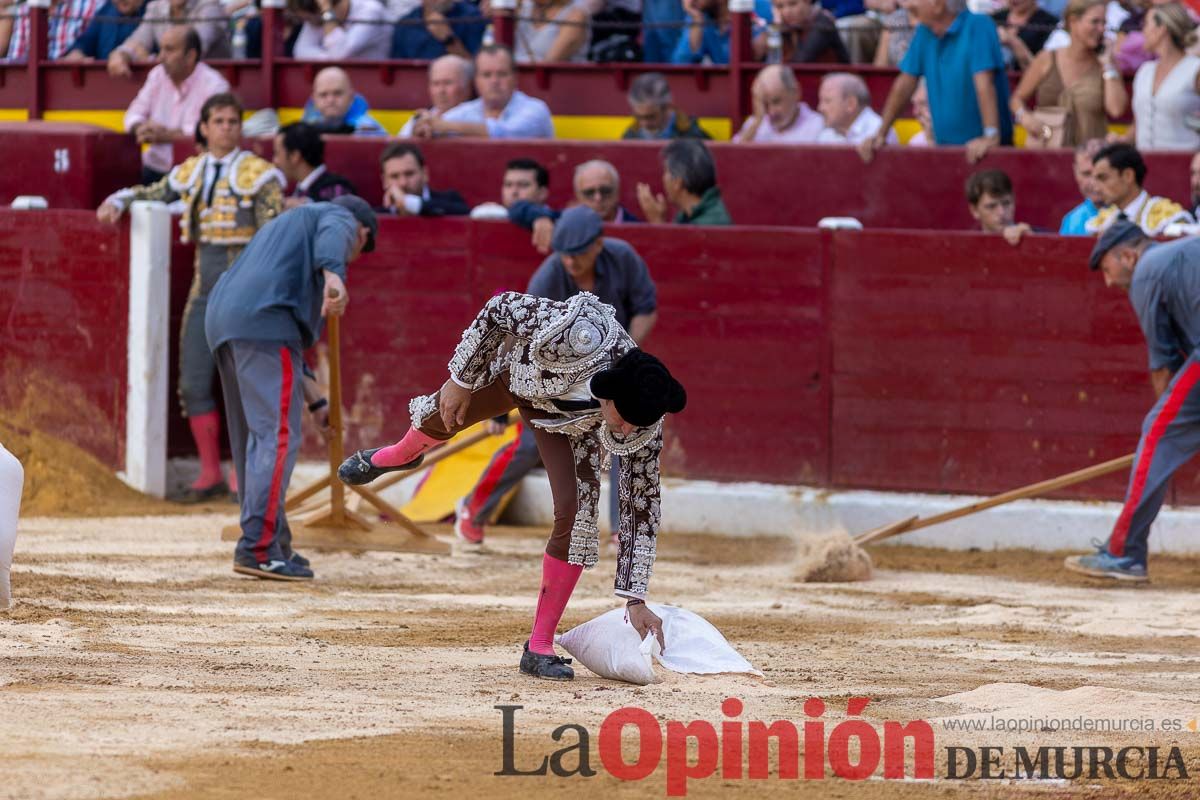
<point>113,24</point>
<point>204,16</point>
<point>958,54</point>
<point>450,79</point>
<point>993,204</point>
<point>334,30</point>
<point>845,105</point>
<point>597,186</point>
<point>500,111</point>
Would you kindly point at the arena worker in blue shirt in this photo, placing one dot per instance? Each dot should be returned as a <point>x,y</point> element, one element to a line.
<point>958,53</point>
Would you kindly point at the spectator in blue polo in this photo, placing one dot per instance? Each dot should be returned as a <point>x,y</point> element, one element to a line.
<point>111,26</point>
<point>958,54</point>
<point>439,27</point>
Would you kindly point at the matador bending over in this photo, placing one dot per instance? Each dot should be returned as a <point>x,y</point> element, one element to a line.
<point>586,390</point>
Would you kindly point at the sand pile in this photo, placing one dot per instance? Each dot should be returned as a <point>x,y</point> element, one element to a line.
<point>831,558</point>
<point>1019,703</point>
<point>64,480</point>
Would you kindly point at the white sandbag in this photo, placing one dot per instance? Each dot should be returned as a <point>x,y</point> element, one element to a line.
<point>695,646</point>
<point>12,479</point>
<point>609,647</point>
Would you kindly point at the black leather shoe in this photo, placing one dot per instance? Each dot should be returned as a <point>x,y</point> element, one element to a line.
<point>299,560</point>
<point>551,668</point>
<point>358,469</point>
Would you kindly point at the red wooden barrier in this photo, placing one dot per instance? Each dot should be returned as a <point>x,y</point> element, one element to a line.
<point>964,365</point>
<point>919,188</point>
<point>885,359</point>
<point>72,166</point>
<point>64,312</point>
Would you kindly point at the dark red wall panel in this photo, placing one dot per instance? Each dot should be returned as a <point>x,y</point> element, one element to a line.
<point>72,166</point>
<point>63,318</point>
<point>964,365</point>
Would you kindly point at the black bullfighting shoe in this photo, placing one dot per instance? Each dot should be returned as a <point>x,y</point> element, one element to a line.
<point>551,668</point>
<point>358,469</point>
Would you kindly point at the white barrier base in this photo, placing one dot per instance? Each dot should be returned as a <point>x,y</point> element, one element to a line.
<point>759,509</point>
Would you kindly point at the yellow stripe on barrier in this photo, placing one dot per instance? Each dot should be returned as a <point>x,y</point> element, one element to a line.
<point>588,128</point>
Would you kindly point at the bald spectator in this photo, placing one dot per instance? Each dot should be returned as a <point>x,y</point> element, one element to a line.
<point>845,103</point>
<point>204,16</point>
<point>168,105</point>
<point>655,115</point>
<point>436,28</point>
<point>779,116</point>
<point>336,108</point>
<point>450,80</point>
<point>597,185</point>
<point>690,184</point>
<point>500,111</point>
<point>335,30</point>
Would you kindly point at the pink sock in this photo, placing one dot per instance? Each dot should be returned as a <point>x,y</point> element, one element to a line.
<point>558,582</point>
<point>412,445</point>
<point>206,431</point>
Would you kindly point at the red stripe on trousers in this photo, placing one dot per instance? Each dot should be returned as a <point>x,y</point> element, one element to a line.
<point>491,476</point>
<point>281,449</point>
<point>1175,399</point>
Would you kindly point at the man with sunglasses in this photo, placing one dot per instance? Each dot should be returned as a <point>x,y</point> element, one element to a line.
<point>597,186</point>
<point>583,261</point>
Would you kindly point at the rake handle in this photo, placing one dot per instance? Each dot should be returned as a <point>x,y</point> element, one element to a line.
<point>1022,493</point>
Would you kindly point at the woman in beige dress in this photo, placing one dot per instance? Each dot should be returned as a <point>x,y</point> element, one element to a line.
<point>1079,79</point>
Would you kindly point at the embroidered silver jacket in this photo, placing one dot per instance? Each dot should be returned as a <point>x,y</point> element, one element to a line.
<point>550,350</point>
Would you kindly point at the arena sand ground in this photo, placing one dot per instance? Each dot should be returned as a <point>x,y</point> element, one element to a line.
<point>135,663</point>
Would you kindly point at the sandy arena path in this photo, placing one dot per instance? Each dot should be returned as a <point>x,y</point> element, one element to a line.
<point>135,663</point>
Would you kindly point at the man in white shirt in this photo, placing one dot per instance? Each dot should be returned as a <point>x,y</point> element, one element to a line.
<point>449,85</point>
<point>845,103</point>
<point>780,116</point>
<point>336,30</point>
<point>500,111</point>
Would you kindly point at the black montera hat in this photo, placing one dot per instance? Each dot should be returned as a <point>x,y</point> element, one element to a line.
<point>641,387</point>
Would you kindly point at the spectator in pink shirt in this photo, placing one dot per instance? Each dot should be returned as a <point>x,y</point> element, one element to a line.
<point>168,105</point>
<point>779,116</point>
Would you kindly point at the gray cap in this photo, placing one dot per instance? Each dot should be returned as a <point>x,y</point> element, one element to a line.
<point>363,213</point>
<point>577,228</point>
<point>1119,232</point>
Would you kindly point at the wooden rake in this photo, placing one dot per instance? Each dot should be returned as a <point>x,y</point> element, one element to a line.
<point>1033,490</point>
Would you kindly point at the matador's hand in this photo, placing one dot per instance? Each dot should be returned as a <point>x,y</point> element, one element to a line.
<point>644,621</point>
<point>453,402</point>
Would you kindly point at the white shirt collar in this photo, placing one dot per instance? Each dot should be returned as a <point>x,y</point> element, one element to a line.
<point>1136,205</point>
<point>303,185</point>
